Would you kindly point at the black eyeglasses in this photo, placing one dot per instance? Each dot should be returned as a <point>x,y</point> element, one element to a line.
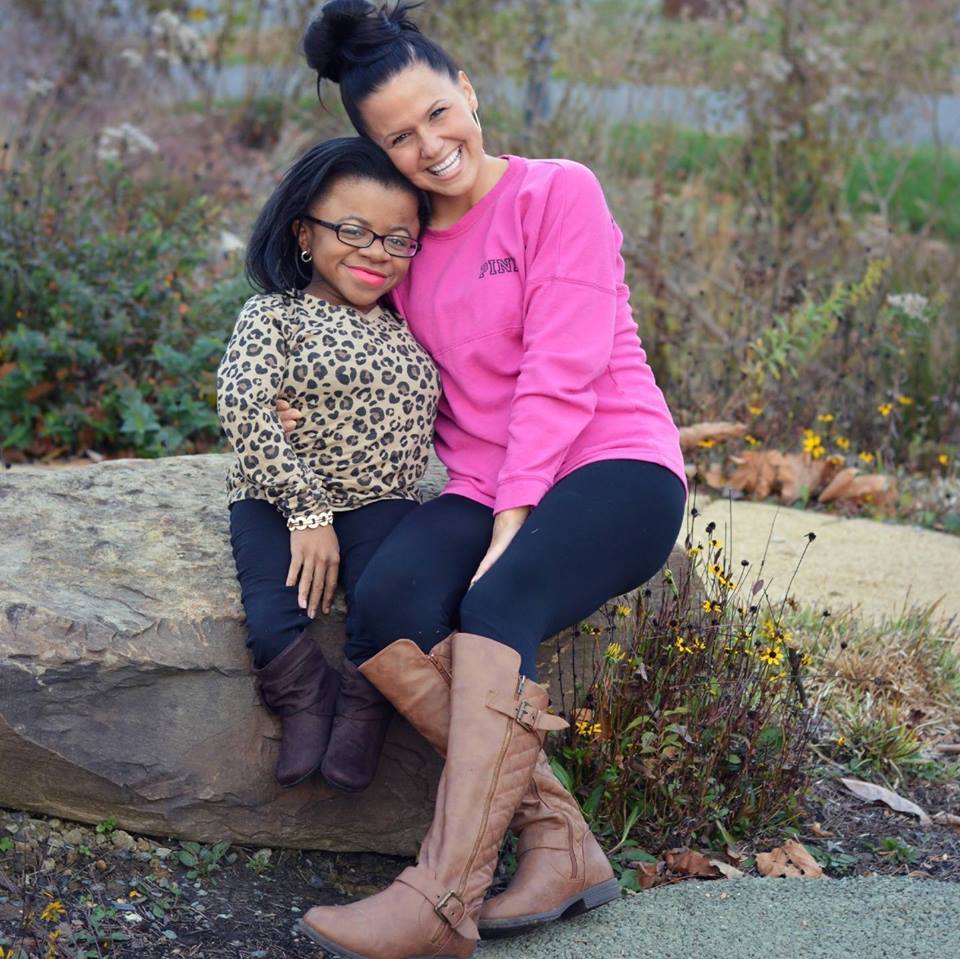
<point>396,244</point>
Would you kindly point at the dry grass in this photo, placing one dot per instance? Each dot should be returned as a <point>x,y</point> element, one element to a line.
<point>889,690</point>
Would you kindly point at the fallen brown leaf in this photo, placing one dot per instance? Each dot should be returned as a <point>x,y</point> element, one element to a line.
<point>947,819</point>
<point>873,488</point>
<point>690,863</point>
<point>718,432</point>
<point>951,749</point>
<point>871,793</point>
<point>790,860</point>
<point>650,874</point>
<point>714,477</point>
<point>726,870</point>
<point>735,854</point>
<point>798,473</point>
<point>756,472</point>
<point>818,832</point>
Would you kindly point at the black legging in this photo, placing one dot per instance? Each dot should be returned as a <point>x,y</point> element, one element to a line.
<point>601,531</point>
<point>261,551</point>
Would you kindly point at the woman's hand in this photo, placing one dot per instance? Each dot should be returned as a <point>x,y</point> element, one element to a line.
<point>289,416</point>
<point>315,559</point>
<point>505,526</point>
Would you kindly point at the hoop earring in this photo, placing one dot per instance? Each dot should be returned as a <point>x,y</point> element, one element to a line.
<point>306,256</point>
<point>476,119</point>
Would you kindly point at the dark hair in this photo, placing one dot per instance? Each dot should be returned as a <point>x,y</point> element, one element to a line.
<point>273,262</point>
<point>360,46</point>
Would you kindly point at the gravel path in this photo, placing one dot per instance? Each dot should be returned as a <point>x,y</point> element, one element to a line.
<point>748,918</point>
<point>878,567</point>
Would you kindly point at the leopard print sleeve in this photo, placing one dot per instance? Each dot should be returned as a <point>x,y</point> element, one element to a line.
<point>249,381</point>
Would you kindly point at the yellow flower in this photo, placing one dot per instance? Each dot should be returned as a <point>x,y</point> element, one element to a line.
<point>754,410</point>
<point>709,606</point>
<point>588,729</point>
<point>806,659</point>
<point>944,459</point>
<point>904,400</point>
<point>694,551</point>
<point>866,457</point>
<point>716,544</point>
<point>715,570</point>
<point>885,409</point>
<point>133,894</point>
<point>681,643</point>
<point>615,652</point>
<point>842,442</point>
<point>771,655</point>
<point>198,14</point>
<point>841,740</point>
<point>52,911</point>
<point>707,444</point>
<point>826,417</point>
<point>751,440</point>
<point>623,611</point>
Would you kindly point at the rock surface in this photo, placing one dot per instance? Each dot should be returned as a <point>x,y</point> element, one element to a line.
<point>125,689</point>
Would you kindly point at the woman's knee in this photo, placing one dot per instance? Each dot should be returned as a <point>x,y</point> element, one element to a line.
<point>388,605</point>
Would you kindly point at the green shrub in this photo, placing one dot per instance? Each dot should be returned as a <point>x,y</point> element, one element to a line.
<point>117,317</point>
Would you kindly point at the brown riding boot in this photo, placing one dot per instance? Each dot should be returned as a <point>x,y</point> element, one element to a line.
<point>562,870</point>
<point>497,722</point>
<point>300,688</point>
<point>359,728</point>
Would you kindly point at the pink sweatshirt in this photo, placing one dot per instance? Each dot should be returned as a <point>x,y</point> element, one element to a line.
<point>522,305</point>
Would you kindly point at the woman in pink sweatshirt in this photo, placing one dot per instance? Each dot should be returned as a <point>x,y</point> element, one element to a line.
<point>566,488</point>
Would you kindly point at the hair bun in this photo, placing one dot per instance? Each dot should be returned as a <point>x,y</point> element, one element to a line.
<point>352,31</point>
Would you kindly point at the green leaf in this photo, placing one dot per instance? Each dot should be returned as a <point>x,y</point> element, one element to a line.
<point>593,801</point>
<point>560,771</point>
<point>635,854</point>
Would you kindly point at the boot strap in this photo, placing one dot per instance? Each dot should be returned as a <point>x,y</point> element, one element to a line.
<point>525,713</point>
<point>446,903</point>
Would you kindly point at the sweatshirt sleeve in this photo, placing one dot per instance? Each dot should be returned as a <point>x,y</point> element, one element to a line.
<point>570,310</point>
<point>249,380</point>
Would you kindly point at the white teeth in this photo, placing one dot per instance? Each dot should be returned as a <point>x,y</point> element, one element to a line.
<point>448,164</point>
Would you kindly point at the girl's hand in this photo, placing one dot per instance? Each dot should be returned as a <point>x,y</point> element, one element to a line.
<point>289,416</point>
<point>315,559</point>
<point>505,526</point>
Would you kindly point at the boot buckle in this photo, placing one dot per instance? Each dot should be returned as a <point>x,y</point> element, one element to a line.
<point>527,715</point>
<point>457,917</point>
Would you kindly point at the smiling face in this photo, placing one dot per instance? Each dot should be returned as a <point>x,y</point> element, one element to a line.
<point>424,121</point>
<point>343,274</point>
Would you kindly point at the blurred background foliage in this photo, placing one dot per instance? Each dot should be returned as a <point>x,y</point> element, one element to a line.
<point>786,174</point>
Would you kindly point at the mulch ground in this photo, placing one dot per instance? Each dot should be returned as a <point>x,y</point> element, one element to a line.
<point>71,891</point>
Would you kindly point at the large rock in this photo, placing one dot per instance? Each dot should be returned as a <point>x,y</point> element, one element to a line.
<point>125,688</point>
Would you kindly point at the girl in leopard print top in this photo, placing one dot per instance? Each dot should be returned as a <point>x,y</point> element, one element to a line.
<point>309,508</point>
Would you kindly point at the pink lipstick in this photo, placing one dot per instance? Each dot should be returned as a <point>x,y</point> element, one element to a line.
<point>367,276</point>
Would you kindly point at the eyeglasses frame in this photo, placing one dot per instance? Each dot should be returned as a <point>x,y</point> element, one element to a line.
<point>376,236</point>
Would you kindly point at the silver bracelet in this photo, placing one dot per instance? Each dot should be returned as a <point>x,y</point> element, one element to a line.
<point>313,521</point>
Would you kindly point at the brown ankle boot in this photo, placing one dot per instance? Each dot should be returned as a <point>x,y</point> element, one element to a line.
<point>497,721</point>
<point>300,688</point>
<point>359,729</point>
<point>562,871</point>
